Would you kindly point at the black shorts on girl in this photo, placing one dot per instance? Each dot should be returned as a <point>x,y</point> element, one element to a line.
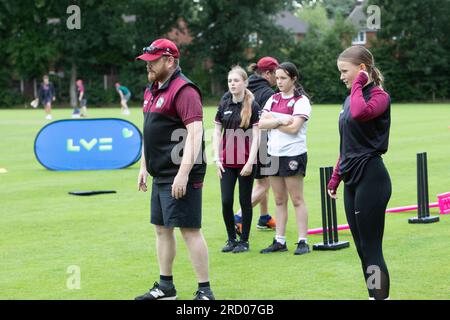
<point>289,166</point>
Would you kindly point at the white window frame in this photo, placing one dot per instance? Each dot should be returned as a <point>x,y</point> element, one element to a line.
<point>357,40</point>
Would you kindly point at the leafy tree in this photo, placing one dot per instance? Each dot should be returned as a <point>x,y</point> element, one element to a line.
<point>316,55</point>
<point>26,37</point>
<point>412,48</point>
<point>36,35</point>
<point>315,16</point>
<point>222,29</point>
<point>336,8</point>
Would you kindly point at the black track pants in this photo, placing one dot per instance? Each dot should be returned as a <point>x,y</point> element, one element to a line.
<point>227,185</point>
<point>365,206</point>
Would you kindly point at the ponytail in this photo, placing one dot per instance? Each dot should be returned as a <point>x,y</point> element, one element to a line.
<point>299,91</point>
<point>246,111</point>
<point>377,77</point>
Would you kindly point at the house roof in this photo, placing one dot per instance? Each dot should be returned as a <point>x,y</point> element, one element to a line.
<point>292,23</point>
<point>358,17</point>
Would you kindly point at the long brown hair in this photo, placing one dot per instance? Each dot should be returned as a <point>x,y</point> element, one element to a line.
<point>246,111</point>
<point>291,70</point>
<point>360,54</point>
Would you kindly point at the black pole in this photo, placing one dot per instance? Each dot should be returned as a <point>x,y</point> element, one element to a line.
<point>329,219</point>
<point>322,198</point>
<point>333,210</point>
<point>419,186</point>
<point>425,186</point>
<point>329,213</point>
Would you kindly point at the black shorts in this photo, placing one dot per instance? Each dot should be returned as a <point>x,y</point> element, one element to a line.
<point>258,171</point>
<point>46,101</point>
<point>289,166</point>
<point>167,211</point>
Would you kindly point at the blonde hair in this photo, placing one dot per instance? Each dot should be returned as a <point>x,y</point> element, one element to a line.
<point>246,111</point>
<point>360,54</point>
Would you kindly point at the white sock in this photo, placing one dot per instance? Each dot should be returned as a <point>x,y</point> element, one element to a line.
<point>281,239</point>
<point>303,239</point>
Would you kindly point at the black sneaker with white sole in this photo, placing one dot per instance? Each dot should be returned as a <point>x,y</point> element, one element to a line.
<point>157,293</point>
<point>242,246</point>
<point>302,248</point>
<point>204,295</point>
<point>229,246</point>
<point>274,247</point>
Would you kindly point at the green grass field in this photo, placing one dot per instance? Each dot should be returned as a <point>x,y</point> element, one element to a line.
<point>44,231</point>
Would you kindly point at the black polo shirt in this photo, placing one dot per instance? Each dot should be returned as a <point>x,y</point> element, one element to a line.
<point>235,148</point>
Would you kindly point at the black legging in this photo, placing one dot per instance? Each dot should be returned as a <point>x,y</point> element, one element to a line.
<point>365,206</point>
<point>227,185</point>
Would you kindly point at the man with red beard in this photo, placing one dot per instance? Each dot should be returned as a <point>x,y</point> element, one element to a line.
<point>173,155</point>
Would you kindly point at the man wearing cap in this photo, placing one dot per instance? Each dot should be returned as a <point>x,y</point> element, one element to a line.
<point>260,83</point>
<point>173,148</point>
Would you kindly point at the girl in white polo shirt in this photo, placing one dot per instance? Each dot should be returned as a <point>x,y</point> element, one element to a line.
<point>285,116</point>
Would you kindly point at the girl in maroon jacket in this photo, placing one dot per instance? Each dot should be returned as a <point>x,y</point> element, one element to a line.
<point>364,124</point>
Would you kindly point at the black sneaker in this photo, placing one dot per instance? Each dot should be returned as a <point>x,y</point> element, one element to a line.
<point>156,293</point>
<point>266,223</point>
<point>274,247</point>
<point>230,245</point>
<point>242,246</point>
<point>204,295</point>
<point>302,248</point>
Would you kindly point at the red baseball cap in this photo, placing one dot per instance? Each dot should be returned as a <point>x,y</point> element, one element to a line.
<point>159,48</point>
<point>267,63</point>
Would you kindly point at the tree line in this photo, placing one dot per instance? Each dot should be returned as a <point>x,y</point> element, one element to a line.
<point>411,47</point>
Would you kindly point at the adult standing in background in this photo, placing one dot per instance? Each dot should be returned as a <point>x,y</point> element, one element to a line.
<point>47,96</point>
<point>82,99</point>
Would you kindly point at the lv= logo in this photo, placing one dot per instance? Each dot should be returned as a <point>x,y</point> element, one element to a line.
<point>104,144</point>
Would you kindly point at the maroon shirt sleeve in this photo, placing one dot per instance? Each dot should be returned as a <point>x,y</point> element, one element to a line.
<point>335,177</point>
<point>188,105</point>
<point>362,110</point>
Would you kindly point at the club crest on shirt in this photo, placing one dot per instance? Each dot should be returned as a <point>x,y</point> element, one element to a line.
<point>291,103</point>
<point>160,102</point>
<point>293,165</point>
